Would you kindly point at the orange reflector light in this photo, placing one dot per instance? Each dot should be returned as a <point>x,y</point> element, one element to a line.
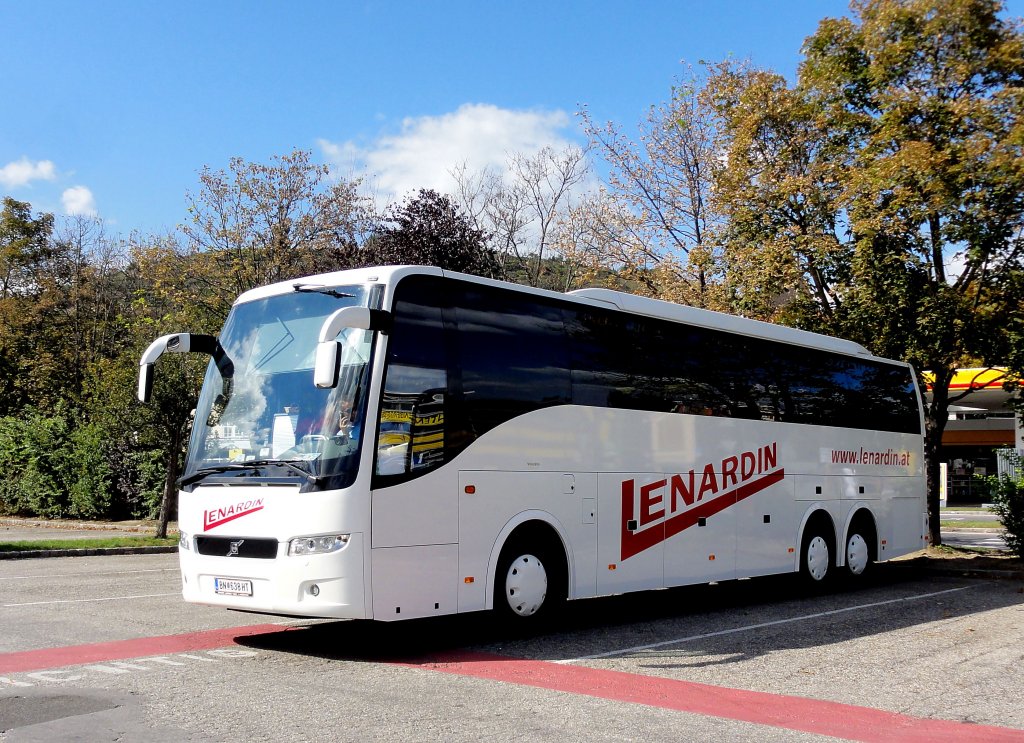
<point>612,566</point>
<point>791,550</point>
<point>469,579</point>
<point>470,489</point>
<point>711,557</point>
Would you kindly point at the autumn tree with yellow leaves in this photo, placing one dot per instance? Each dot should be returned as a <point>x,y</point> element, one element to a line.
<point>886,188</point>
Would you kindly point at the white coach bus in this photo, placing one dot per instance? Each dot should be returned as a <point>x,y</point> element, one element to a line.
<point>403,442</point>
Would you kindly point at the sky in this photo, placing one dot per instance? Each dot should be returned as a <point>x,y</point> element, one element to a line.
<point>112,108</point>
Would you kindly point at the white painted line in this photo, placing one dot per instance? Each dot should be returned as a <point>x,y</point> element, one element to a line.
<point>762,625</point>
<point>85,601</point>
<point>79,575</point>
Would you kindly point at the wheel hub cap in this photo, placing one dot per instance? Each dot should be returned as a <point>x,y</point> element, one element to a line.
<point>526,585</point>
<point>856,554</point>
<point>817,558</point>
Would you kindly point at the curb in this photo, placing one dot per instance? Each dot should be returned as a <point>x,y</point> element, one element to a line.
<point>88,552</point>
<point>1012,574</point>
<point>939,566</point>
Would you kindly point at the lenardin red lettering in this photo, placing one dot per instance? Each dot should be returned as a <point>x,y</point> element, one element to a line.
<point>672,504</point>
<point>219,516</point>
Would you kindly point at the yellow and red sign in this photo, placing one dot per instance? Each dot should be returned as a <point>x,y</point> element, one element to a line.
<point>977,379</point>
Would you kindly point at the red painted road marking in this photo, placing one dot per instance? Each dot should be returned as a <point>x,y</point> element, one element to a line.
<point>41,660</point>
<point>777,710</point>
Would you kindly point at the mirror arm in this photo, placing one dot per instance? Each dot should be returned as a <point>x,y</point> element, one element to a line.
<point>181,343</point>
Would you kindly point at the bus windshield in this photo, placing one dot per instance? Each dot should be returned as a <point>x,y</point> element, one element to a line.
<point>261,415</point>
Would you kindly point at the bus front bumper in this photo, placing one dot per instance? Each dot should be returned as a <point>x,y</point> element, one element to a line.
<point>318,585</point>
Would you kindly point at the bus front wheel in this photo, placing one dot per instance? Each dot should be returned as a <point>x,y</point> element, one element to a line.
<point>529,582</point>
<point>816,557</point>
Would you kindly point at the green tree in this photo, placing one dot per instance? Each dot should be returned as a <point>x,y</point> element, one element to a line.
<point>654,223</point>
<point>928,97</point>
<point>428,229</point>
<point>783,230</point>
<point>260,223</point>
<point>160,290</point>
<point>897,155</point>
<point>1007,493</point>
<point>25,248</point>
<point>24,245</point>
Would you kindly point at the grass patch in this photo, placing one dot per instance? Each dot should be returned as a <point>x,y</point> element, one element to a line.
<point>81,544</point>
<point>975,557</point>
<point>948,551</point>
<point>970,525</point>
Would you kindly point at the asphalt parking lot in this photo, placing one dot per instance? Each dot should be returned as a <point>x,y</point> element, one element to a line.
<point>102,648</point>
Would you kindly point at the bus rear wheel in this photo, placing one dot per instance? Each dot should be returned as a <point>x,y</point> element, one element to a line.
<point>859,550</point>
<point>529,585</point>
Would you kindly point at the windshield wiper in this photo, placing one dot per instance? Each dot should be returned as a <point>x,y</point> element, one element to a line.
<point>321,289</point>
<point>292,464</point>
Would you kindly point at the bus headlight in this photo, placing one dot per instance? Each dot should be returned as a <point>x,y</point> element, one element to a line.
<point>317,545</point>
<point>183,541</point>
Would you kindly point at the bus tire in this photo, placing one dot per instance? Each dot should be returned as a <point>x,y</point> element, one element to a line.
<point>530,581</point>
<point>817,554</point>
<point>860,547</point>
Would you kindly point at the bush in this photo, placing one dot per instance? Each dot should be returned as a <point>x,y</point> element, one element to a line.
<point>1007,494</point>
<point>86,473</point>
<point>31,454</point>
<point>12,464</point>
<point>57,467</point>
<point>138,481</point>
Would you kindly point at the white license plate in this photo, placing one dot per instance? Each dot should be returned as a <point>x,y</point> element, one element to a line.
<point>232,587</point>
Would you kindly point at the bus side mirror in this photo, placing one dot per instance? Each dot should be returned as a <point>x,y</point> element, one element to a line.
<point>328,350</point>
<point>145,382</point>
<point>173,343</point>
<point>325,371</point>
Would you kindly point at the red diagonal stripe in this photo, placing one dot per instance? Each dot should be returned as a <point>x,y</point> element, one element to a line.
<point>777,710</point>
<point>99,652</point>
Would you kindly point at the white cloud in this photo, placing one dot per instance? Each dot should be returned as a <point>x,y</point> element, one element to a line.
<point>427,148</point>
<point>78,200</point>
<point>24,171</point>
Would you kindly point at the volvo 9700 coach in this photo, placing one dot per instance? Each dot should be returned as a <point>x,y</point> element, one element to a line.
<point>403,442</point>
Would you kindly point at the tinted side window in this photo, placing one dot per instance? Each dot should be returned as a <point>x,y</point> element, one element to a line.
<point>602,344</point>
<point>512,353</point>
<point>411,430</point>
<point>882,395</point>
<point>639,363</point>
<point>827,389</point>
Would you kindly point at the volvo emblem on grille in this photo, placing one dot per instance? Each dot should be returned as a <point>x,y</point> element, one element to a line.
<point>233,547</point>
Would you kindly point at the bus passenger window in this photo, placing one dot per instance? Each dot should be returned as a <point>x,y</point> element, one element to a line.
<point>411,434</point>
<point>411,427</point>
